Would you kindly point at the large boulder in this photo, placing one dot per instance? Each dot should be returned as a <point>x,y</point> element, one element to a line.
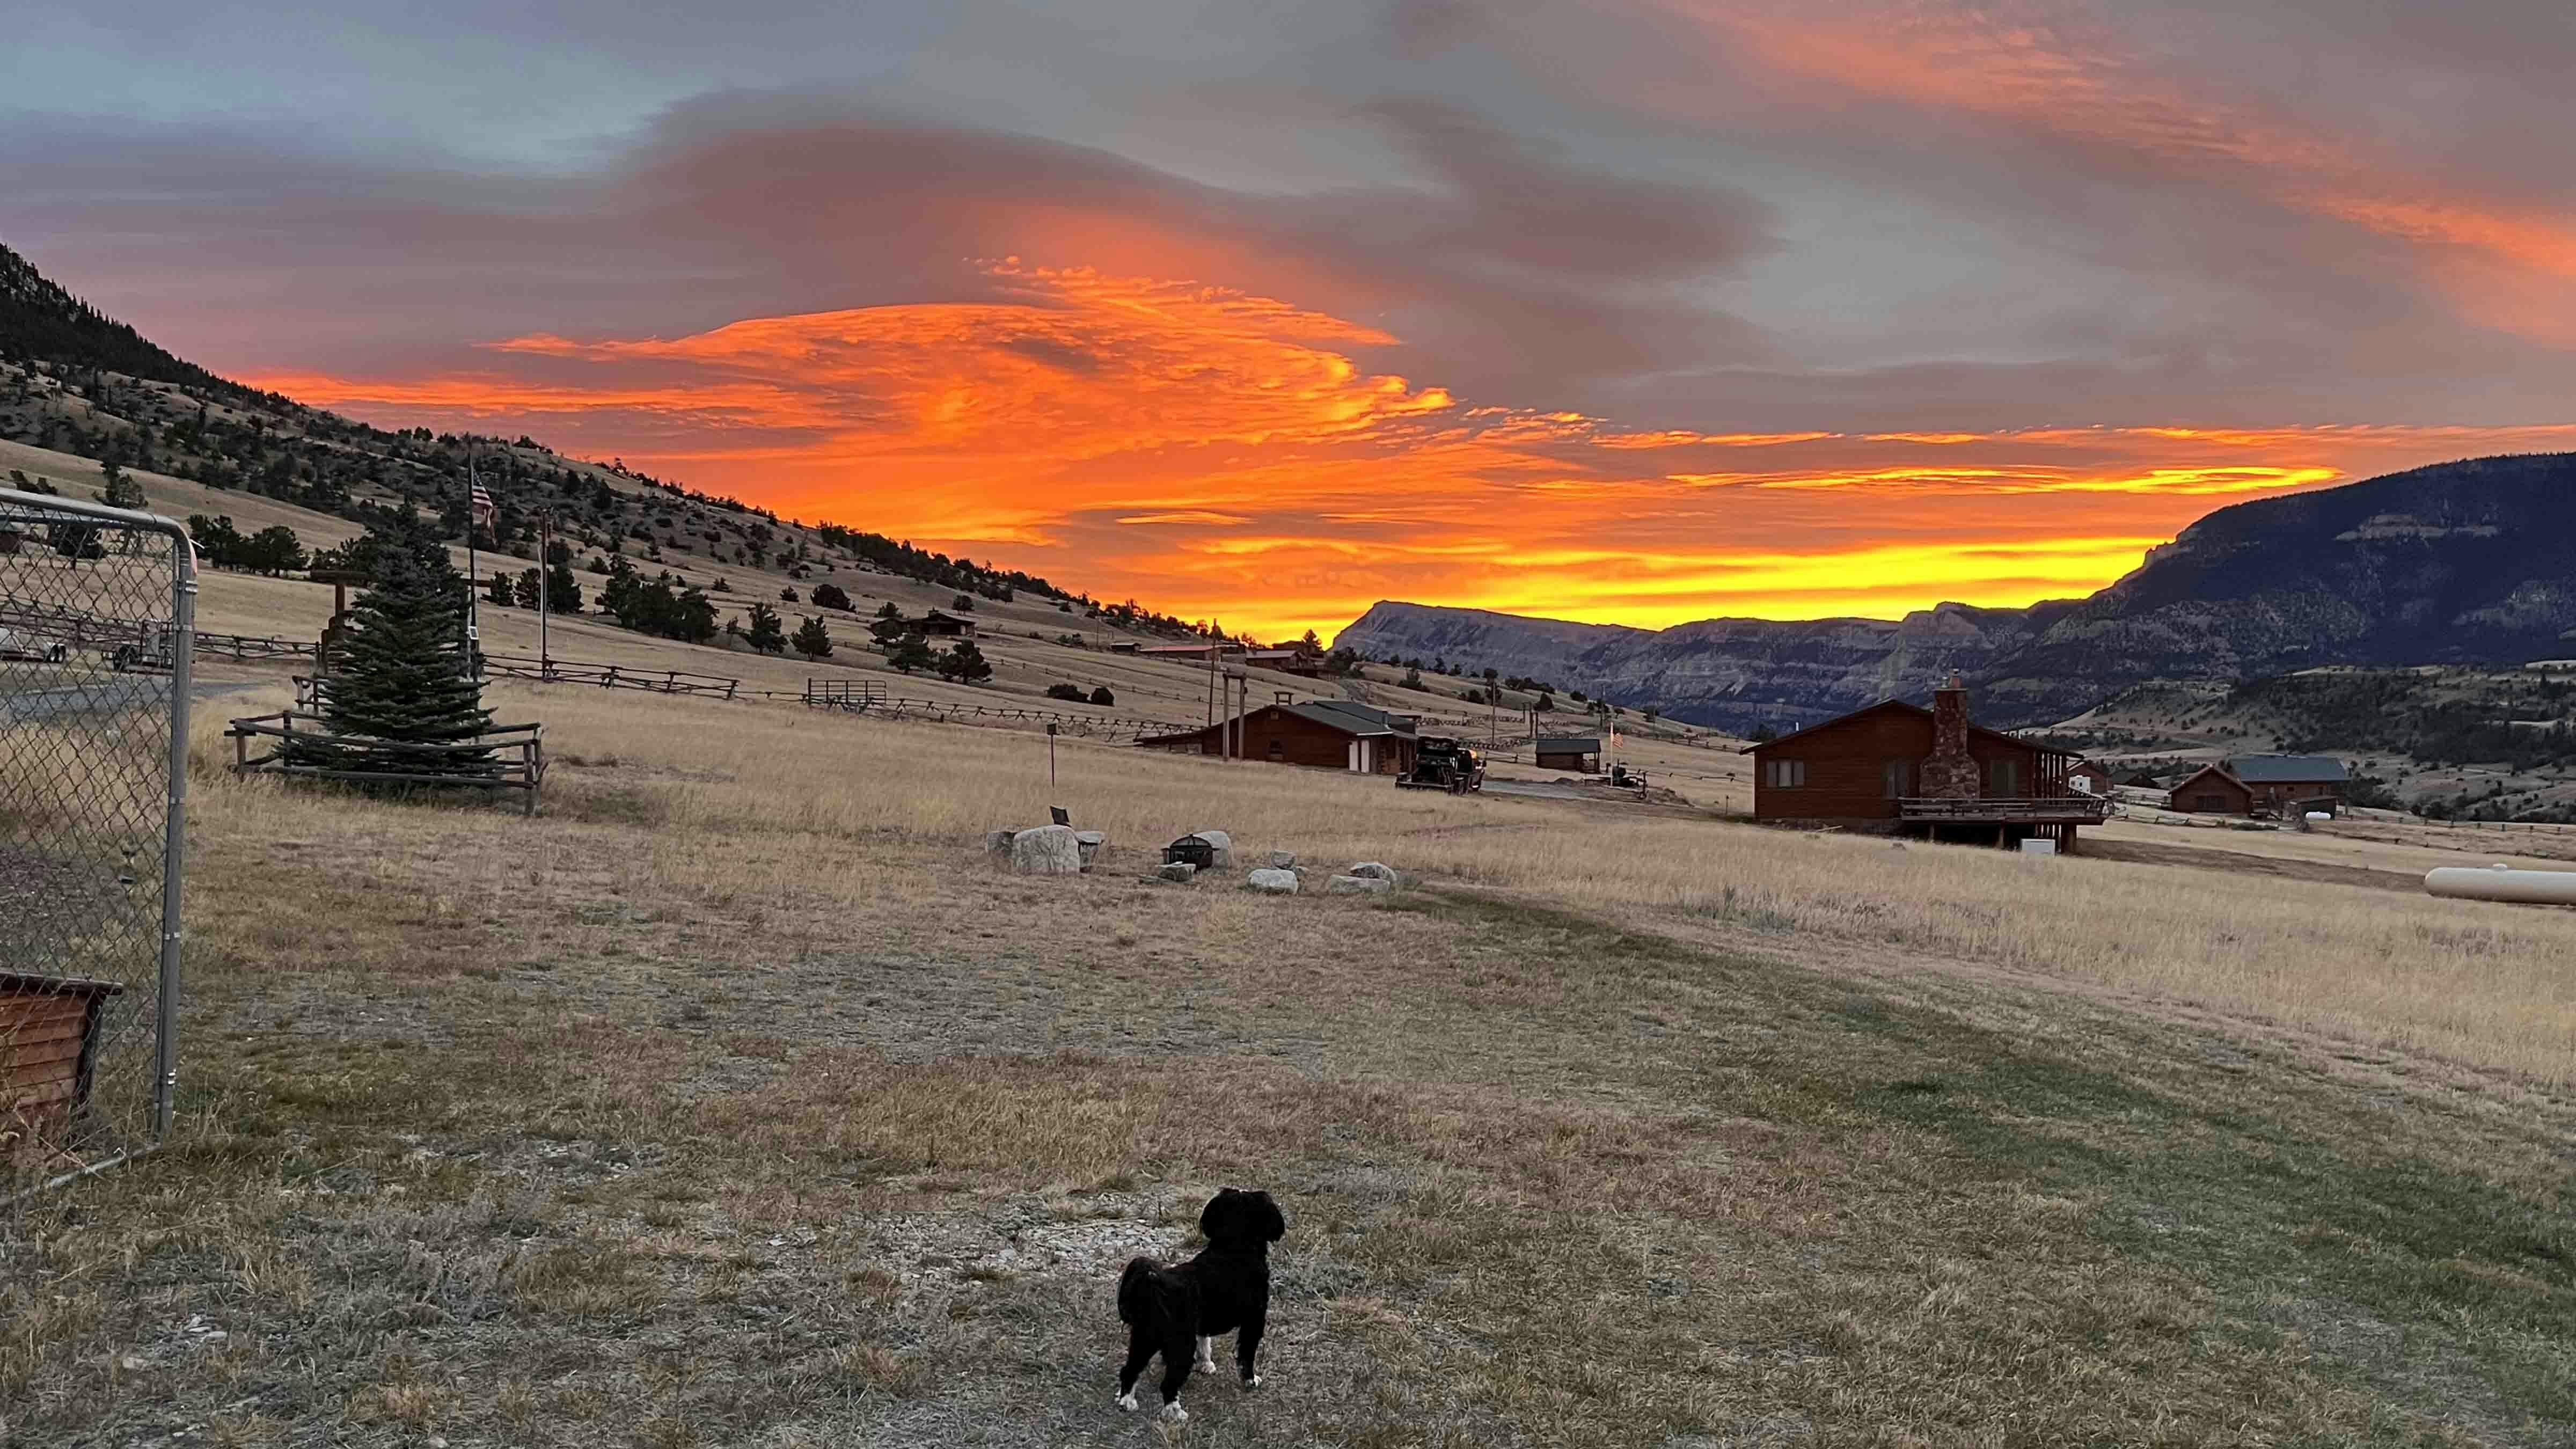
<point>1275,881</point>
<point>1358,885</point>
<point>1222,843</point>
<point>1178,872</point>
<point>1047,850</point>
<point>1283,860</point>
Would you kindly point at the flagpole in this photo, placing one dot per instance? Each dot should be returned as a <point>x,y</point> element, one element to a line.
<point>473,580</point>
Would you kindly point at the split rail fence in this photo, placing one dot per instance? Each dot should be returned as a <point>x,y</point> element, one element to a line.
<point>610,676</point>
<point>869,697</point>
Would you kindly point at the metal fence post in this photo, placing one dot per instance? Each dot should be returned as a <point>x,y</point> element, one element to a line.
<point>174,849</point>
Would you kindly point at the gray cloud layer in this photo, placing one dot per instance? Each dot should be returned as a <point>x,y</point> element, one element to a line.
<point>1718,216</point>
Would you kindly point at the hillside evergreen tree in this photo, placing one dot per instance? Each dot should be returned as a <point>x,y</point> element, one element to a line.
<point>765,632</point>
<point>497,589</point>
<point>966,664</point>
<point>122,491</point>
<point>402,673</point>
<point>813,640</point>
<point>909,652</point>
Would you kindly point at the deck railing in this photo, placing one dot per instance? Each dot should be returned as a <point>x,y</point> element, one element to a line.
<point>2001,810</point>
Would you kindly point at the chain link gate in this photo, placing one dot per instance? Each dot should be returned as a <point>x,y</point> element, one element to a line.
<point>97,611</point>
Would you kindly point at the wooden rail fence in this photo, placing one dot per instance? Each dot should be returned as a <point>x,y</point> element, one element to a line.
<point>141,645</point>
<point>868,697</point>
<point>610,676</point>
<point>506,757</point>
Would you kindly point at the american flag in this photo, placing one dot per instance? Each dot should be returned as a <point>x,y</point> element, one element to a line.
<point>484,508</point>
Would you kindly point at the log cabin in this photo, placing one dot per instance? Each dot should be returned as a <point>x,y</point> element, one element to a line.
<point>1899,768</point>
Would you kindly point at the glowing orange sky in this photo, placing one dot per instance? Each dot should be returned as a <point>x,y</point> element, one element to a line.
<point>1223,455</point>
<point>1643,311</point>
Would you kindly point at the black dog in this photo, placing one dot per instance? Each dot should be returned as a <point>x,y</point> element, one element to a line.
<point>1178,1311</point>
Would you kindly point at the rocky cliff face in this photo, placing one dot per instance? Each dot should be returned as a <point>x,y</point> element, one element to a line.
<point>1735,674</point>
<point>2468,563</point>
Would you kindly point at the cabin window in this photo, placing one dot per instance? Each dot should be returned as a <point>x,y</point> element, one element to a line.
<point>1784,774</point>
<point>2215,803</point>
<point>1897,777</point>
<point>2003,777</point>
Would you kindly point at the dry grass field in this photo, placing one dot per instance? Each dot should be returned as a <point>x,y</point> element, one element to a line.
<point>737,1099</point>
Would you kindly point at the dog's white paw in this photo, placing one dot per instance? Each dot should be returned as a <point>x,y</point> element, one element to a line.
<point>1126,1402</point>
<point>1175,1413</point>
<point>1252,1383</point>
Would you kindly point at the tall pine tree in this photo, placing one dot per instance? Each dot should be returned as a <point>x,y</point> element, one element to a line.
<point>402,674</point>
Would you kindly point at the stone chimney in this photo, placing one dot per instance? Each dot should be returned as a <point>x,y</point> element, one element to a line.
<point>1949,772</point>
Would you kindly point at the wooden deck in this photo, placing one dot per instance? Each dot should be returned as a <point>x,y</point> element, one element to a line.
<point>2047,810</point>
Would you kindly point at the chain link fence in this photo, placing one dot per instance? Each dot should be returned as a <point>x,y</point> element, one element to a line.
<point>96,608</point>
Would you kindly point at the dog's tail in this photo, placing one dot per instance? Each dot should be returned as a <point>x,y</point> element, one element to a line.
<point>1134,1286</point>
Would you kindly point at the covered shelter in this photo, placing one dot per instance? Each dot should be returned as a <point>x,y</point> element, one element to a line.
<point>1324,734</point>
<point>1901,768</point>
<point>937,625</point>
<point>1579,753</point>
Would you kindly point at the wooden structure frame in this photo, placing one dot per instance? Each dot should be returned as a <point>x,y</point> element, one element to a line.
<point>48,1057</point>
<point>485,763</point>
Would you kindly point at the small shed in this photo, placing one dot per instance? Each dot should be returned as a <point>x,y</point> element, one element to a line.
<point>1581,754</point>
<point>49,1037</point>
<point>1332,734</point>
<point>2211,790</point>
<point>2089,777</point>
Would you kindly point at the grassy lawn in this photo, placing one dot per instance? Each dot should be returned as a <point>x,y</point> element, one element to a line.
<point>665,1119</point>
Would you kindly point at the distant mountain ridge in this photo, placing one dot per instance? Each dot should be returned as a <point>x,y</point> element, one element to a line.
<point>2471,562</point>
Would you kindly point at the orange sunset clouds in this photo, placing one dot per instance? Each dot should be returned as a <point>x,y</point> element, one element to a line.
<point>1222,454</point>
<point>1643,312</point>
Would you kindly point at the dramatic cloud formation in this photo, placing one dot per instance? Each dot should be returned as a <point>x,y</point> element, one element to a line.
<point>1646,313</point>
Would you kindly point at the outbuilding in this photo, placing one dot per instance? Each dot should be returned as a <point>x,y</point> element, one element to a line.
<point>1580,754</point>
<point>2090,778</point>
<point>2292,782</point>
<point>1325,734</point>
<point>937,625</point>
<point>2211,790</point>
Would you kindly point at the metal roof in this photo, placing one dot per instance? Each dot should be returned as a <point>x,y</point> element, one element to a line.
<point>2040,746</point>
<point>2286,769</point>
<point>1570,745</point>
<point>1348,716</point>
<point>1351,715</point>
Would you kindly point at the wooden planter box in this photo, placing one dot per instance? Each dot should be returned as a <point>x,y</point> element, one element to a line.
<point>48,1048</point>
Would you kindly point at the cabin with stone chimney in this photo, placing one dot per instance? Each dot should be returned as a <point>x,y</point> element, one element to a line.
<point>1898,768</point>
